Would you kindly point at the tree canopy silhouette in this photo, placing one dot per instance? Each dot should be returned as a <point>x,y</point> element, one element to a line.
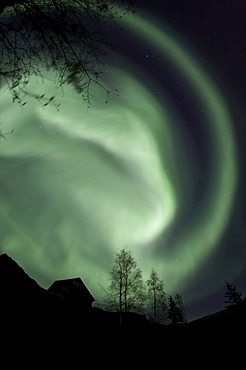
<point>157,301</point>
<point>233,297</point>
<point>69,37</point>
<point>176,312</point>
<point>126,291</point>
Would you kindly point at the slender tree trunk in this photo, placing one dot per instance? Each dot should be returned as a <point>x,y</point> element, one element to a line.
<point>120,307</point>
<point>155,318</point>
<point>124,329</point>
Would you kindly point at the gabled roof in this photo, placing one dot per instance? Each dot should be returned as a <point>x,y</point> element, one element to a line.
<point>71,284</point>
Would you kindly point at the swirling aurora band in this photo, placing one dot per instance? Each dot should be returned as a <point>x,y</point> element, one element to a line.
<point>76,186</point>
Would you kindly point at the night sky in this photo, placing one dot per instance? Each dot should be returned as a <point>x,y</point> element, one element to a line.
<point>159,169</point>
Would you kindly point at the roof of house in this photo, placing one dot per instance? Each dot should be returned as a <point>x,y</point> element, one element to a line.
<point>71,284</point>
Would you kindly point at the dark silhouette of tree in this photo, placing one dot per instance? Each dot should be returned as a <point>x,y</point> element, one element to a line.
<point>126,291</point>
<point>232,296</point>
<point>176,312</point>
<point>71,38</point>
<point>179,302</point>
<point>157,301</point>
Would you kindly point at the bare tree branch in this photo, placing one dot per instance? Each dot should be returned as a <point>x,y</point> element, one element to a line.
<point>71,38</point>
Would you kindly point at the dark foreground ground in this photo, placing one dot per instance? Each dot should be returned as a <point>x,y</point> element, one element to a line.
<point>38,329</point>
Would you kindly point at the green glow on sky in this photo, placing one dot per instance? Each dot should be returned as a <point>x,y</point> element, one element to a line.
<point>204,233</point>
<point>77,185</point>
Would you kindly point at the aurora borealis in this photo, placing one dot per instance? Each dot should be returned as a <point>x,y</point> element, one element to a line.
<point>156,169</point>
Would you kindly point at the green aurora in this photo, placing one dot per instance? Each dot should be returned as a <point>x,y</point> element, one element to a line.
<point>76,185</point>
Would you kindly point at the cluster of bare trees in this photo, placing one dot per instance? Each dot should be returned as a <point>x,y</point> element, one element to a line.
<point>127,292</point>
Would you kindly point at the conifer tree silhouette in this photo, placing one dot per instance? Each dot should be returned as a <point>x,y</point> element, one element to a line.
<point>233,297</point>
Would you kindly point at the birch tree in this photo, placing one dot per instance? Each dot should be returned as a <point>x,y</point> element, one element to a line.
<point>126,291</point>
<point>156,297</point>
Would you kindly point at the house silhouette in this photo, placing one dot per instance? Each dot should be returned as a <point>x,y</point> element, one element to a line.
<point>74,291</point>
